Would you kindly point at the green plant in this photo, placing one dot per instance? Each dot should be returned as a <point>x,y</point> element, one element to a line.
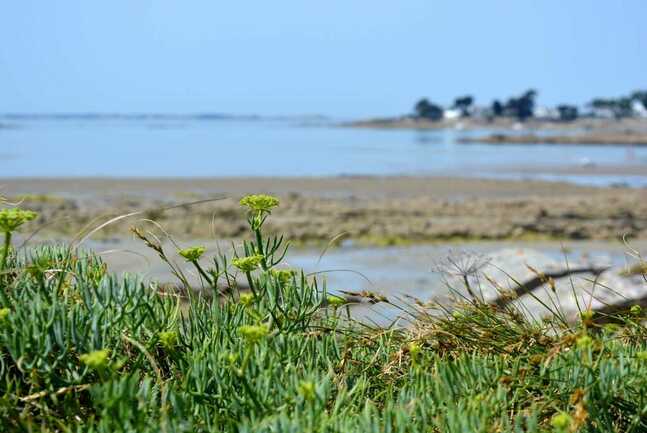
<point>83,350</point>
<point>10,220</point>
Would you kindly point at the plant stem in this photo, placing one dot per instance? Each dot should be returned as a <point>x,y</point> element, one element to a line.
<point>5,250</point>
<point>468,287</point>
<point>250,282</point>
<point>259,248</point>
<point>202,272</point>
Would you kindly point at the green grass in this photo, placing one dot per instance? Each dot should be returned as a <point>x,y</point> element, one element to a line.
<point>82,350</point>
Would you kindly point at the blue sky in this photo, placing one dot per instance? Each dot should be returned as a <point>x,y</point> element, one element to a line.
<point>337,57</point>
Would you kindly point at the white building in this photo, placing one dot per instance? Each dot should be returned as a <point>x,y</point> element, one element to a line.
<point>546,113</point>
<point>451,114</point>
<point>638,109</point>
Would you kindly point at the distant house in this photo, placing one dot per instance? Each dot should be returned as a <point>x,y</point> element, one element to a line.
<point>603,112</point>
<point>638,109</point>
<point>546,113</point>
<point>451,114</point>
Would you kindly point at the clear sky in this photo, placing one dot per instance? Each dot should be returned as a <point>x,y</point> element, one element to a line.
<point>337,57</point>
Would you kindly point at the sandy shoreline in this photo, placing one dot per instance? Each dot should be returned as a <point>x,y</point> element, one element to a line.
<point>444,187</point>
<point>616,139</point>
<point>372,210</point>
<point>637,125</point>
<point>583,131</point>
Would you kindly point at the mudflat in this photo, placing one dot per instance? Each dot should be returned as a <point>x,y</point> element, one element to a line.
<point>372,210</point>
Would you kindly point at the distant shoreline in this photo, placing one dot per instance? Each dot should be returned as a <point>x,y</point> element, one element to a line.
<point>617,139</point>
<point>637,125</point>
<point>619,132</point>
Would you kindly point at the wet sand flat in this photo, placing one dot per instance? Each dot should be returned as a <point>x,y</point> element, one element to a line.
<point>371,210</point>
<point>342,186</point>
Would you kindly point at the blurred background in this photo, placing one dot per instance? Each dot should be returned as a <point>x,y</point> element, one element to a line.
<point>393,132</point>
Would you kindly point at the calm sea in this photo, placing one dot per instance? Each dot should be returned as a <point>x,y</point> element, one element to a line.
<point>183,146</point>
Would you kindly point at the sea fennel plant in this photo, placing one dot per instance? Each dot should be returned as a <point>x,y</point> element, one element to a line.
<point>84,350</point>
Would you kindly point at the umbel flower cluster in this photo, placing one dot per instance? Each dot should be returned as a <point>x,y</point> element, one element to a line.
<point>192,254</point>
<point>249,263</point>
<point>12,218</point>
<point>259,202</point>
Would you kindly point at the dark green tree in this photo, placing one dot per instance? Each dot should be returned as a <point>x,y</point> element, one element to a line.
<point>428,110</point>
<point>621,107</point>
<point>567,113</point>
<point>522,107</point>
<point>497,108</point>
<point>640,96</point>
<point>464,103</point>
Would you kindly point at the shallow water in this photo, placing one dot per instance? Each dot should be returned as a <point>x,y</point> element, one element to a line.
<point>190,146</point>
<point>395,270</point>
<point>402,273</point>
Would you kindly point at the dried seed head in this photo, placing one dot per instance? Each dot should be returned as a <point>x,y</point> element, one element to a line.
<point>461,264</point>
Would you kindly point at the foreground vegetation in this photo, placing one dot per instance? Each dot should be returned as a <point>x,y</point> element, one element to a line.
<point>82,350</point>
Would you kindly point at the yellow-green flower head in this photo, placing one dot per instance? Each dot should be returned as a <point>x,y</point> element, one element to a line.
<point>96,360</point>
<point>561,422</point>
<point>586,315</point>
<point>536,359</point>
<point>584,341</point>
<point>253,333</point>
<point>246,299</point>
<point>259,202</point>
<point>335,301</point>
<point>192,254</point>
<point>307,390</point>
<point>611,328</point>
<point>283,275</point>
<point>635,310</point>
<point>231,358</point>
<point>4,313</point>
<point>168,339</point>
<point>414,349</point>
<point>12,218</point>
<point>249,263</point>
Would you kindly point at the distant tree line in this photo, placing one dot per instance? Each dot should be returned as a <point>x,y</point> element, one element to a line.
<point>523,107</point>
<point>622,106</point>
